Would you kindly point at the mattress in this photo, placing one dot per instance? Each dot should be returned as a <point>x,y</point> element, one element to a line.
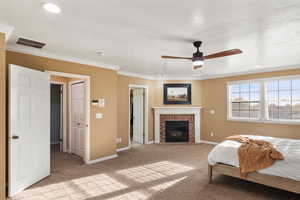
<point>226,153</point>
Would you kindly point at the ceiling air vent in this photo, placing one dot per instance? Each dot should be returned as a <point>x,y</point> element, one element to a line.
<point>30,43</point>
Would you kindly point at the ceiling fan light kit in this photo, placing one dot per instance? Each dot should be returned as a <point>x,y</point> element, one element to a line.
<point>198,58</point>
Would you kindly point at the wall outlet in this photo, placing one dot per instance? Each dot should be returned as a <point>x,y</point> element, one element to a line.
<point>119,140</point>
<point>212,134</point>
<point>212,112</point>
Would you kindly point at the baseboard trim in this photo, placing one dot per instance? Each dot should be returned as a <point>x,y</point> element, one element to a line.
<point>102,159</point>
<point>123,149</point>
<point>208,142</point>
<point>151,142</point>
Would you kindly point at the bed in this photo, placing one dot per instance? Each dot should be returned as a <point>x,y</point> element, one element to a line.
<point>284,174</point>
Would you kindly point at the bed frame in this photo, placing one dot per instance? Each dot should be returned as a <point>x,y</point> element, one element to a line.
<point>268,180</point>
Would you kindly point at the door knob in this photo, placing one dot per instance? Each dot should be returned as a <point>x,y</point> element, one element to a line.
<point>78,124</point>
<point>14,137</point>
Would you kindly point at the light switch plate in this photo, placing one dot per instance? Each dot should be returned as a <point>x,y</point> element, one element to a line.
<point>99,115</point>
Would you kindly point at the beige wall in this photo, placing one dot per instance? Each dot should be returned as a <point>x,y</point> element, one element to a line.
<point>103,85</point>
<point>196,92</point>
<point>2,116</point>
<point>214,94</point>
<point>123,107</point>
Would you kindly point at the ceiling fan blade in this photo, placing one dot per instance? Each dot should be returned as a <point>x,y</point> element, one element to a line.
<point>223,54</point>
<point>175,57</point>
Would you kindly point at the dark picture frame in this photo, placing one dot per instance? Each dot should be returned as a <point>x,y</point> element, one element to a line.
<point>178,93</point>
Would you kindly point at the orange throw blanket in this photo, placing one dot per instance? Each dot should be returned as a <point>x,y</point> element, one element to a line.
<point>255,154</point>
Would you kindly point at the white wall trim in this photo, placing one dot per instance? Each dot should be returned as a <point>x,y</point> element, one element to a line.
<point>123,149</point>
<point>90,162</point>
<point>151,142</point>
<point>137,75</point>
<point>62,58</point>
<point>208,142</point>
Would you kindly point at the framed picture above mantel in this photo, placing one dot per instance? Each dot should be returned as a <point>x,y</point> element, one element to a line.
<point>180,93</point>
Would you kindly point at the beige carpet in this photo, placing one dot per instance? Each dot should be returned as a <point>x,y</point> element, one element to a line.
<point>173,172</point>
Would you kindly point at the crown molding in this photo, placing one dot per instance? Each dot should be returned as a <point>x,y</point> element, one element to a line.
<point>147,76</point>
<point>255,71</point>
<point>137,75</point>
<point>63,58</point>
<point>7,30</point>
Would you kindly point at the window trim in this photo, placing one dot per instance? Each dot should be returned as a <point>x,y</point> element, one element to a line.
<point>263,103</point>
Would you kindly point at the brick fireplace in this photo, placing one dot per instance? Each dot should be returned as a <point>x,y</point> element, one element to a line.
<point>185,123</point>
<point>180,120</point>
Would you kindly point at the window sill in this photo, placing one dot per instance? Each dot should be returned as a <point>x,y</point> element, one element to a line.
<point>285,122</point>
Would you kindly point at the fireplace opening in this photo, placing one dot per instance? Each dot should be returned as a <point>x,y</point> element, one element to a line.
<point>177,131</point>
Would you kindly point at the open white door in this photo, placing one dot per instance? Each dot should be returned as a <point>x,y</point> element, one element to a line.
<point>29,123</point>
<point>138,115</point>
<point>78,118</point>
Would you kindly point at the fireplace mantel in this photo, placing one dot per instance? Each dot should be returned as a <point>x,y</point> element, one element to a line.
<point>177,111</point>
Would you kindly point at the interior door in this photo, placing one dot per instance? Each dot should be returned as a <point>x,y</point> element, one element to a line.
<point>78,118</point>
<point>138,115</point>
<point>29,127</point>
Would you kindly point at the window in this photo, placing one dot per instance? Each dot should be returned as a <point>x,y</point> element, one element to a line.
<point>245,100</point>
<point>283,99</point>
<point>265,100</point>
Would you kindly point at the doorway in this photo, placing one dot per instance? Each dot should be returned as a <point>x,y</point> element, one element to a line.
<point>138,115</point>
<point>38,121</point>
<point>56,113</point>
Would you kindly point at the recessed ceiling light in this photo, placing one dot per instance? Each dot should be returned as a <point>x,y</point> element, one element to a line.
<point>100,53</point>
<point>51,7</point>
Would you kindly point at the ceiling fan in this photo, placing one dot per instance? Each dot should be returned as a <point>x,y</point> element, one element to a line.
<point>198,58</point>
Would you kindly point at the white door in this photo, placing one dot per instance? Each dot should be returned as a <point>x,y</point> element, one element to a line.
<point>138,115</point>
<point>29,127</point>
<point>78,118</point>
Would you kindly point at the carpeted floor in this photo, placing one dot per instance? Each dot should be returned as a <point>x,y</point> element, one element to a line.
<point>161,172</point>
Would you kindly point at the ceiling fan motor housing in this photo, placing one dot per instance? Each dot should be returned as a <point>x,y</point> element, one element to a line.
<point>197,56</point>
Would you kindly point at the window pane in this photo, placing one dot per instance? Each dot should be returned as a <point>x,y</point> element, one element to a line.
<point>235,88</point>
<point>254,114</point>
<point>245,97</point>
<point>244,106</point>
<point>272,96</point>
<point>285,115</point>
<point>235,97</point>
<point>254,87</point>
<point>273,110</point>
<point>244,87</point>
<point>296,95</point>
<point>285,96</point>
<point>284,107</point>
<point>296,84</point>
<point>285,84</point>
<point>235,113</point>
<point>254,106</point>
<point>296,110</point>
<point>272,85</point>
<point>244,114</point>
<point>254,96</point>
<point>235,106</point>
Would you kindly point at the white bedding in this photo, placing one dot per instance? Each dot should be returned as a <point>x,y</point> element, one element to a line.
<point>226,153</point>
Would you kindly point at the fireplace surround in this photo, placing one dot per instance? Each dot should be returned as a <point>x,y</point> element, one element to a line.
<point>190,114</point>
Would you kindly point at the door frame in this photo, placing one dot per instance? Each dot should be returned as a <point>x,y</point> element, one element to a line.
<point>63,112</point>
<point>87,157</point>
<point>146,89</point>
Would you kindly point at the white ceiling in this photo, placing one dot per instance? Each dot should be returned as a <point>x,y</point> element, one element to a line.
<point>134,34</point>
